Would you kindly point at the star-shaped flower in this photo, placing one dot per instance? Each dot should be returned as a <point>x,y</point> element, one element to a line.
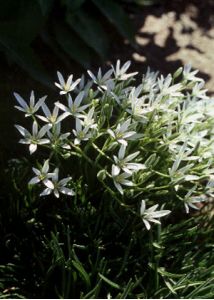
<point>34,139</point>
<point>151,215</point>
<point>66,86</point>
<point>58,186</point>
<point>30,108</point>
<point>120,179</point>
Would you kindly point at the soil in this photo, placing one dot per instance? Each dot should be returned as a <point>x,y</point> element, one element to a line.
<point>172,34</point>
<point>168,35</point>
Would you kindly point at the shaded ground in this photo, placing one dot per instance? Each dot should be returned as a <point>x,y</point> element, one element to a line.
<point>168,35</point>
<point>172,34</point>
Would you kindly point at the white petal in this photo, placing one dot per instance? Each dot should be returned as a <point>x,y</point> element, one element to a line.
<point>126,66</point>
<point>75,84</point>
<point>46,192</point>
<point>45,167</point>
<point>69,81</point>
<point>55,175</point>
<point>43,141</point>
<point>43,130</point>
<point>62,117</point>
<point>91,75</point>
<point>32,148</point>
<point>119,187</point>
<point>58,85</point>
<point>32,99</point>
<point>161,213</point>
<point>78,125</point>
<point>63,92</point>
<point>56,193</point>
<point>122,151</point>
<point>123,142</point>
<point>111,133</point>
<point>148,226</point>
<point>127,182</point>
<point>34,180</point>
<point>82,108</point>
<point>79,99</point>
<point>26,142</point>
<point>115,170</point>
<point>22,130</point>
<point>67,191</point>
<point>61,79</point>
<point>36,171</point>
<point>61,106</point>
<point>21,100</point>
<point>64,181</point>
<point>20,108</point>
<point>152,208</point>
<point>39,103</point>
<point>129,134</point>
<point>132,156</point>
<point>125,125</point>
<point>142,207</point>
<point>48,183</point>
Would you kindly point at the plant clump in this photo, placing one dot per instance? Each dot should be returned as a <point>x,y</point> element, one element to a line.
<point>145,145</point>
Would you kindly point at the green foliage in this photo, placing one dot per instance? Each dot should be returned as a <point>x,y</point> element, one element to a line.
<point>71,29</point>
<point>71,249</point>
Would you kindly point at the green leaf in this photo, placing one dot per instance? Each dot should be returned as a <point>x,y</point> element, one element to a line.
<point>168,284</point>
<point>73,4</point>
<point>72,45</point>
<point>90,31</point>
<point>109,282</point>
<point>45,6</point>
<point>25,57</point>
<point>168,274</point>
<point>82,272</point>
<point>117,17</point>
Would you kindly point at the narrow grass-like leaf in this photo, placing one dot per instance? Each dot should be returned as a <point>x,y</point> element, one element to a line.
<point>116,15</point>
<point>110,282</point>
<point>90,31</point>
<point>73,45</point>
<point>82,272</point>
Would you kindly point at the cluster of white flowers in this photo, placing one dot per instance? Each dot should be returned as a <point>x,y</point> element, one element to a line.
<point>152,139</point>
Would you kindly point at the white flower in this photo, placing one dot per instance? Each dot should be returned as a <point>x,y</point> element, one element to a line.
<point>82,134</point>
<point>139,105</point>
<point>35,138</point>
<point>67,86</point>
<point>198,92</point>
<point>58,139</point>
<point>30,108</point>
<point>150,214</point>
<point>124,163</point>
<point>83,86</point>
<point>121,133</point>
<point>42,175</point>
<point>105,81</point>
<point>74,107</point>
<point>120,72</point>
<point>190,76</point>
<point>53,117</point>
<point>149,82</point>
<point>58,186</point>
<point>120,179</point>
<point>166,89</point>
<point>190,201</point>
<point>88,120</point>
